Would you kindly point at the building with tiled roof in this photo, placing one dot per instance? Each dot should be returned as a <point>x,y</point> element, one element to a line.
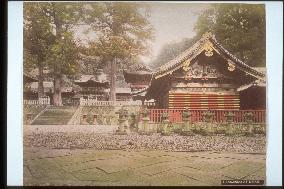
<point>206,76</point>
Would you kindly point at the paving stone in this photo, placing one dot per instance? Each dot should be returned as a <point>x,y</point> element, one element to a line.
<point>158,168</point>
<point>117,164</point>
<point>215,164</point>
<point>241,169</point>
<point>173,179</point>
<point>206,177</point>
<point>93,174</point>
<point>131,178</point>
<point>47,168</point>
<point>151,160</point>
<point>27,172</point>
<point>57,182</point>
<point>85,164</point>
<point>48,154</point>
<point>124,177</point>
<point>195,163</point>
<point>78,158</point>
<point>240,156</point>
<point>199,155</point>
<point>256,158</point>
<point>139,168</point>
<point>154,153</point>
<point>260,174</point>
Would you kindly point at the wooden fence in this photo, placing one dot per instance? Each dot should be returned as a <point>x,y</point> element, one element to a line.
<point>40,101</point>
<point>197,115</point>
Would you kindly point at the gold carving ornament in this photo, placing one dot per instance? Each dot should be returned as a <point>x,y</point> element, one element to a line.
<point>186,65</point>
<point>231,66</point>
<point>208,47</point>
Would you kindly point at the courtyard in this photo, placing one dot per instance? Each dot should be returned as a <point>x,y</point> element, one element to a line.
<point>43,166</point>
<point>93,156</point>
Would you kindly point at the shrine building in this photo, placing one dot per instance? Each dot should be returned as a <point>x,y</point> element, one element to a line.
<point>94,86</point>
<point>205,76</point>
<point>138,76</point>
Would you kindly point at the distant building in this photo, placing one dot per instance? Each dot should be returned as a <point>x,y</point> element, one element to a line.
<point>31,91</point>
<point>138,76</point>
<point>123,94</point>
<point>94,86</point>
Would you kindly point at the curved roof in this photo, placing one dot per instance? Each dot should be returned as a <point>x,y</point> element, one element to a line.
<point>206,43</point>
<point>139,66</point>
<point>138,69</point>
<point>47,86</point>
<point>92,80</point>
<point>208,37</point>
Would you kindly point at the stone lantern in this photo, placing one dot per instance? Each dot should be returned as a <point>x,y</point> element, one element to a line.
<point>208,119</point>
<point>187,130</point>
<point>123,127</point>
<point>248,117</point>
<point>133,124</point>
<point>165,124</point>
<point>229,123</point>
<point>145,122</point>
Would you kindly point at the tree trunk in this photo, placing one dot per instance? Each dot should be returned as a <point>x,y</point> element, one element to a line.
<point>113,80</point>
<point>40,80</point>
<point>57,90</point>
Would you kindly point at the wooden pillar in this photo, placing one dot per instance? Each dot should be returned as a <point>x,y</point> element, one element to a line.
<point>113,80</point>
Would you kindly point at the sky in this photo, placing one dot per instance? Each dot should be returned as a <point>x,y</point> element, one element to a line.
<point>171,22</point>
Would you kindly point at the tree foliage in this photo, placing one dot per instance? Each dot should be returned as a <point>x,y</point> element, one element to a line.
<point>122,33</point>
<point>37,38</point>
<point>239,27</point>
<point>122,29</point>
<point>49,39</point>
<point>171,50</point>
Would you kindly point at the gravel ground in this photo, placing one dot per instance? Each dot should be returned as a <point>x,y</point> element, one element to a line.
<point>69,128</point>
<point>102,138</point>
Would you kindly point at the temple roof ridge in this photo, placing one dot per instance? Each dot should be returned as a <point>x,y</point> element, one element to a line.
<point>88,77</point>
<point>207,38</point>
<point>138,67</point>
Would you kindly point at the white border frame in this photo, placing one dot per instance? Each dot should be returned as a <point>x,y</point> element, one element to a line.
<point>274,57</point>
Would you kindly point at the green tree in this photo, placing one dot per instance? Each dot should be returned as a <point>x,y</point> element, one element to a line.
<point>52,39</point>
<point>63,54</point>
<point>37,38</point>
<point>239,27</point>
<point>122,31</point>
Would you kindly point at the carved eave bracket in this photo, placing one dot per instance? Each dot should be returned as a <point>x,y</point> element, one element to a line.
<point>186,64</point>
<point>231,66</point>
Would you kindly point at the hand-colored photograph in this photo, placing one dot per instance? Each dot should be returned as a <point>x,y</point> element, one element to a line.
<point>144,94</point>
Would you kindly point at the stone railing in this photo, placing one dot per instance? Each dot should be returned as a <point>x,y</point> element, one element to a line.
<point>40,101</point>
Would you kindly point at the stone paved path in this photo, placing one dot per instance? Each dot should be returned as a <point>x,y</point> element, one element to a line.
<point>43,166</point>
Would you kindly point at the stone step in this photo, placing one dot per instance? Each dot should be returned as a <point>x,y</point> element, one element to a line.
<point>55,116</point>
